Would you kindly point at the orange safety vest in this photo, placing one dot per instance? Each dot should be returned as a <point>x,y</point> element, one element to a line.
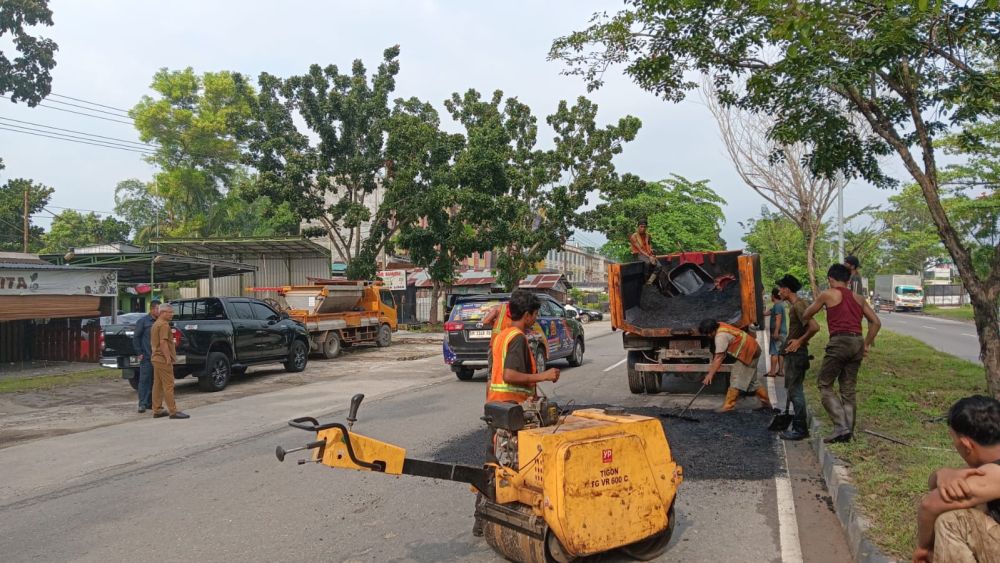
<point>743,347</point>
<point>639,243</point>
<point>503,319</point>
<point>500,390</point>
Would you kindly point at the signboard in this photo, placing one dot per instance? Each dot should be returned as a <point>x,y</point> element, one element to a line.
<point>394,280</point>
<point>58,282</point>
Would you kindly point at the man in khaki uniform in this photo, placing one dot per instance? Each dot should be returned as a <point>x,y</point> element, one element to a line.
<point>164,355</point>
<point>730,340</point>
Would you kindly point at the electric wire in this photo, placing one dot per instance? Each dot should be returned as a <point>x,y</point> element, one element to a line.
<point>67,137</point>
<point>135,150</point>
<point>80,113</point>
<point>53,94</point>
<point>141,144</point>
<point>114,113</point>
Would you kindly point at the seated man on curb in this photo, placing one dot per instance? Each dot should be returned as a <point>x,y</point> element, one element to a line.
<point>959,520</point>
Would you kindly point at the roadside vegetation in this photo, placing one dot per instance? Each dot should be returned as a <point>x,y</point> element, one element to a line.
<point>963,313</point>
<point>904,390</point>
<point>43,382</point>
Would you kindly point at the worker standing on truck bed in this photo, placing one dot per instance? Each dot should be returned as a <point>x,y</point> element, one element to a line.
<point>740,345</point>
<point>513,372</point>
<point>844,352</point>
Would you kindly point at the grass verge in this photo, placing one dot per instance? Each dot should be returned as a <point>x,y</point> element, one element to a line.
<point>904,387</point>
<point>963,313</point>
<point>15,384</point>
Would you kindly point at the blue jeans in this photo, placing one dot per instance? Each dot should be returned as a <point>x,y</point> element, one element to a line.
<point>145,384</point>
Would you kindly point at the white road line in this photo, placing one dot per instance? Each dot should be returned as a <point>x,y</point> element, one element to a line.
<point>616,365</point>
<point>930,327</point>
<point>972,335</point>
<point>788,526</point>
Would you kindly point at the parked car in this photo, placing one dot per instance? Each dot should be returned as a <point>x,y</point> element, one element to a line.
<point>467,341</point>
<point>585,315</point>
<point>128,319</point>
<point>218,335</point>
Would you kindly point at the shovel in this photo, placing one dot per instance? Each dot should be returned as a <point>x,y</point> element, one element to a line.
<point>781,421</point>
<point>681,415</point>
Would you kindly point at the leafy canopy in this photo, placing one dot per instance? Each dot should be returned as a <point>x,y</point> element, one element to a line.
<point>12,213</point>
<point>26,77</point>
<point>74,229</point>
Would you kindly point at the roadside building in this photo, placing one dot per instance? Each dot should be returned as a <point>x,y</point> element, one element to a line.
<point>555,285</point>
<point>582,265</point>
<point>44,309</point>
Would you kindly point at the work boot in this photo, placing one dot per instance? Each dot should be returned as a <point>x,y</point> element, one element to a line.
<point>180,415</point>
<point>730,404</point>
<point>765,401</point>
<point>794,435</point>
<point>838,439</point>
<point>160,414</point>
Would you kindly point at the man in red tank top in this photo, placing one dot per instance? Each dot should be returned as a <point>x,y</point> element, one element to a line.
<point>845,350</point>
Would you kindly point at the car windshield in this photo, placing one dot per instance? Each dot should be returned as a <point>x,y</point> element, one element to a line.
<point>472,310</point>
<point>910,291</point>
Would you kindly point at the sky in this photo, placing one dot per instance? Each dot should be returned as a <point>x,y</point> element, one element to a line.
<point>110,49</point>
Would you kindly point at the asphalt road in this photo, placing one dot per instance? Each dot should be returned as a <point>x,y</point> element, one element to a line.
<point>213,491</point>
<point>953,337</point>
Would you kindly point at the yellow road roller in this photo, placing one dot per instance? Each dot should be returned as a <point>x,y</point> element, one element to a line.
<point>560,485</point>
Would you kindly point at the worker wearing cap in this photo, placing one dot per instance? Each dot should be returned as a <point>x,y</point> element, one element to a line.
<point>641,244</point>
<point>513,373</point>
<point>729,340</point>
<point>854,284</point>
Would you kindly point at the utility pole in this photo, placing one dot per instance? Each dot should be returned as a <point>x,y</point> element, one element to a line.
<point>840,224</point>
<point>27,220</point>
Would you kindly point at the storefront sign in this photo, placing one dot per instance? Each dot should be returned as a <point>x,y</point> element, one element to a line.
<point>394,280</point>
<point>58,282</point>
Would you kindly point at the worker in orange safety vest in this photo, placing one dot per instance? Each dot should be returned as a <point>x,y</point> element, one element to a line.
<point>730,340</point>
<point>513,372</point>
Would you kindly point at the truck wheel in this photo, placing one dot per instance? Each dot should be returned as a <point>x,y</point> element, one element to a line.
<point>651,381</point>
<point>216,374</point>
<point>298,357</point>
<point>134,382</point>
<point>464,374</point>
<point>576,357</point>
<point>635,383</point>
<point>654,546</point>
<point>384,336</point>
<point>331,348</point>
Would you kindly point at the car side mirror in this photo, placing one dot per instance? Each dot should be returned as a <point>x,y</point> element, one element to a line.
<point>284,315</point>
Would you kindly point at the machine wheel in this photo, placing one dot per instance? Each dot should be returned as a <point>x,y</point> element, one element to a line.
<point>576,358</point>
<point>384,336</point>
<point>134,382</point>
<point>635,380</point>
<point>331,348</point>
<point>216,374</point>
<point>298,357</point>
<point>651,381</point>
<point>585,318</point>
<point>465,374</point>
<point>654,546</point>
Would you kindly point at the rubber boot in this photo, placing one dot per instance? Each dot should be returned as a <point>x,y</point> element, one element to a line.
<point>765,401</point>
<point>730,404</point>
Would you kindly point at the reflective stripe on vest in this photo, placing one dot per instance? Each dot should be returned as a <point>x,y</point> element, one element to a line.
<point>501,321</point>
<point>500,390</point>
<point>743,347</point>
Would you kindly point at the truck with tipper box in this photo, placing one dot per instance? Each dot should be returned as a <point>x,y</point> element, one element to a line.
<point>900,292</point>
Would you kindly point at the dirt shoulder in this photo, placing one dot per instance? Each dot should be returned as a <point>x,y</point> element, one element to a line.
<point>108,399</point>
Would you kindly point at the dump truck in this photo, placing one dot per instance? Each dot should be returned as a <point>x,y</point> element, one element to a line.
<point>658,310</point>
<point>341,313</point>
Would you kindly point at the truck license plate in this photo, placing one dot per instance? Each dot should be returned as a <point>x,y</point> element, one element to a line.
<point>480,333</point>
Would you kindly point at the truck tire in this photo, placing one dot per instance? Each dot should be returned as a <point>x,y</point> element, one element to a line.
<point>217,372</point>
<point>576,356</point>
<point>298,357</point>
<point>331,347</point>
<point>651,381</point>
<point>384,336</point>
<point>134,382</point>
<point>635,383</point>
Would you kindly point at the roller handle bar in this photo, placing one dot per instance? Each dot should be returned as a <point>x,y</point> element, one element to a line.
<point>315,426</point>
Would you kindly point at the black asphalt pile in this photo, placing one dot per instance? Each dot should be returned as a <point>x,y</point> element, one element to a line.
<point>656,310</point>
<point>732,446</point>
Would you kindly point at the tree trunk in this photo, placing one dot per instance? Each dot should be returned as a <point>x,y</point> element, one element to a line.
<point>435,294</point>
<point>811,261</point>
<point>984,307</point>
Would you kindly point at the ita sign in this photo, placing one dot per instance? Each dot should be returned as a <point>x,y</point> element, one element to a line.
<point>394,280</point>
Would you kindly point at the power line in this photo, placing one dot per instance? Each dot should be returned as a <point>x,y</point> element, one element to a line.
<point>67,137</point>
<point>88,210</point>
<point>87,102</point>
<point>17,228</point>
<point>138,151</point>
<point>141,144</point>
<point>114,113</point>
<point>80,113</point>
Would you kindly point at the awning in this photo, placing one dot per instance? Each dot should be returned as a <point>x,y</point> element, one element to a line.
<point>27,307</point>
<point>296,247</point>
<point>154,267</point>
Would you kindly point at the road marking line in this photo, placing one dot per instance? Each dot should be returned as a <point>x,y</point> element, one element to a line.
<point>616,365</point>
<point>930,327</point>
<point>788,526</point>
<point>972,335</point>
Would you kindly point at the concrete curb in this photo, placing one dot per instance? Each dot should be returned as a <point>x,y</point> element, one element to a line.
<point>838,483</point>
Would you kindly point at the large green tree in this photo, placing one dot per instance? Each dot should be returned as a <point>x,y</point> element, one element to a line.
<point>781,246</point>
<point>72,228</point>
<point>533,196</point>
<point>12,213</point>
<point>331,172</point>
<point>909,71</point>
<point>683,215</point>
<point>27,76</point>
<point>909,240</point>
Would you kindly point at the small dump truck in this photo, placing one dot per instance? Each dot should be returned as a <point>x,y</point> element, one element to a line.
<point>659,316</point>
<point>341,313</point>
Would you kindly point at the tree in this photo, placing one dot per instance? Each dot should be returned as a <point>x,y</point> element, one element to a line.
<point>910,241</point>
<point>909,70</point>
<point>12,213</point>
<point>682,215</point>
<point>531,197</point>
<point>138,204</point>
<point>778,172</point>
<point>781,246</point>
<point>74,229</point>
<point>27,77</point>
<point>331,174</point>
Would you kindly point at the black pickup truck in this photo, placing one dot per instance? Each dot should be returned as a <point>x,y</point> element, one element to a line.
<point>216,336</point>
